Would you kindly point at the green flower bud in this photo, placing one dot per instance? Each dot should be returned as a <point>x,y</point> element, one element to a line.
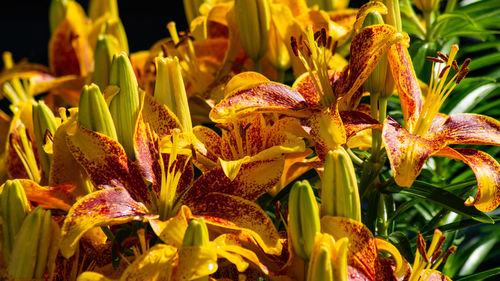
<point>339,186</point>
<point>196,234</point>
<point>14,207</point>
<point>32,245</point>
<point>170,90</point>
<point>125,105</point>
<point>57,13</point>
<point>427,6</point>
<point>105,48</point>
<point>99,8</point>
<point>328,259</point>
<point>254,22</point>
<point>303,218</point>
<point>93,112</point>
<point>44,122</point>
<point>115,28</point>
<point>380,80</point>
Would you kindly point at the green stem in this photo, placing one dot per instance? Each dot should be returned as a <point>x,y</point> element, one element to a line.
<point>355,159</point>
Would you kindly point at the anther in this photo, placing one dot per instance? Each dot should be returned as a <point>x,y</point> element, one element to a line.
<point>443,71</point>
<point>295,47</point>
<point>442,56</point>
<point>436,255</point>
<point>448,252</point>
<point>323,37</point>
<point>329,42</point>
<point>437,60</point>
<point>454,64</point>
<point>308,47</point>
<point>164,49</point>
<point>334,47</point>
<point>316,35</point>
<point>421,246</point>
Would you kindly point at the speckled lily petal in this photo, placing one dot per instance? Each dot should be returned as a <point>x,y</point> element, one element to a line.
<point>487,171</point>
<point>106,162</point>
<point>406,83</point>
<point>105,207</point>
<point>468,129</point>
<point>260,98</point>
<point>246,219</point>
<point>56,197</point>
<point>407,153</point>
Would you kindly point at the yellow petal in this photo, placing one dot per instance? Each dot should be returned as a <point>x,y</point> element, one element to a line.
<point>105,207</point>
<point>487,171</point>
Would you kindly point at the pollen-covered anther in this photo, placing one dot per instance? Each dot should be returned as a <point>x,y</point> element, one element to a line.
<point>448,252</point>
<point>435,255</point>
<point>421,247</point>
<point>294,45</point>
<point>464,69</point>
<point>323,37</point>
<point>454,64</point>
<point>443,71</point>
<point>433,59</point>
<point>442,56</point>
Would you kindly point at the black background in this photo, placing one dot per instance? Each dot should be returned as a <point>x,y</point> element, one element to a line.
<point>24,24</point>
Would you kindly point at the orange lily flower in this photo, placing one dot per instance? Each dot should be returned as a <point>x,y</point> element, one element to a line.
<point>428,133</point>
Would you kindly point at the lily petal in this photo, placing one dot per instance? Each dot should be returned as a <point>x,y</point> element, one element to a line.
<point>487,171</point>
<point>367,48</point>
<point>57,197</point>
<point>406,82</point>
<point>262,98</point>
<point>362,249</point>
<point>105,207</point>
<point>106,162</point>
<point>469,129</point>
<point>161,119</point>
<point>245,185</point>
<point>248,221</point>
<point>407,153</point>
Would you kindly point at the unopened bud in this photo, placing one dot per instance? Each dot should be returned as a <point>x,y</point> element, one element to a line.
<point>303,219</point>
<point>339,186</point>
<point>105,48</point>
<point>170,90</point>
<point>93,112</point>
<point>114,27</point>
<point>254,22</point>
<point>31,248</point>
<point>196,234</point>
<point>125,106</point>
<point>14,207</point>
<point>44,122</point>
<point>426,5</point>
<point>277,54</point>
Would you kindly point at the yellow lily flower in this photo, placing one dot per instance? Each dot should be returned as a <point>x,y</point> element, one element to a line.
<point>428,133</point>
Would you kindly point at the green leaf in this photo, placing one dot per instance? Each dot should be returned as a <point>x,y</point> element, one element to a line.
<point>445,199</point>
<point>481,275</point>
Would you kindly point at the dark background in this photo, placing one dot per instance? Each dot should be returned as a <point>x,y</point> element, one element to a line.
<point>24,25</point>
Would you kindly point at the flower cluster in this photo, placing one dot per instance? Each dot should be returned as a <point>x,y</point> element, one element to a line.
<point>179,163</point>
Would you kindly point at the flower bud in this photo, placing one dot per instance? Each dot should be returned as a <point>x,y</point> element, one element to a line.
<point>125,106</point>
<point>339,186</point>
<point>93,112</point>
<point>254,21</point>
<point>115,28</point>
<point>14,207</point>
<point>105,48</point>
<point>277,54</point>
<point>99,8</point>
<point>32,244</point>
<point>303,219</point>
<point>57,13</point>
<point>170,90</point>
<point>44,122</point>
<point>196,234</point>
<point>380,80</point>
<point>320,265</point>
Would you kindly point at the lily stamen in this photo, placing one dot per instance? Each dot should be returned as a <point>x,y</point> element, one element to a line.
<point>440,87</point>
